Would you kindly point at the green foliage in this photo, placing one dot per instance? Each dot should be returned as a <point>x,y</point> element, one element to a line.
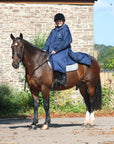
<point>64,103</point>
<point>13,101</point>
<point>105,56</point>
<point>51,98</point>
<point>39,40</point>
<point>107,98</point>
<point>109,65</point>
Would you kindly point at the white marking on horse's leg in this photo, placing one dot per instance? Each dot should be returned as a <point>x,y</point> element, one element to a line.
<point>92,118</point>
<point>87,118</point>
<point>44,127</point>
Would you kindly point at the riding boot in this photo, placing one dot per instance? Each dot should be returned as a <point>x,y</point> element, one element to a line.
<point>63,79</point>
<point>59,79</point>
<point>56,80</point>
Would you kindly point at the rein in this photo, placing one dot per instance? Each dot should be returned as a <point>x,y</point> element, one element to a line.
<point>34,71</point>
<point>38,67</point>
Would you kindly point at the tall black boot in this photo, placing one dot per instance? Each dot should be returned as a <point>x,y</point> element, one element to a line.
<point>63,79</point>
<point>57,78</point>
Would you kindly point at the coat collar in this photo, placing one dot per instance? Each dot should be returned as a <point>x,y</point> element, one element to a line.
<point>60,28</point>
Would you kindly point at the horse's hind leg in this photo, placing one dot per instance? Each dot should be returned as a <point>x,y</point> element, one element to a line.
<point>45,94</point>
<point>89,105</point>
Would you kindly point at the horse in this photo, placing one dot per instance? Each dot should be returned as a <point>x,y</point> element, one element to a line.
<point>39,76</point>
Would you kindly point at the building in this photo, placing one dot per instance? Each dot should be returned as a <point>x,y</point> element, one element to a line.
<point>32,16</point>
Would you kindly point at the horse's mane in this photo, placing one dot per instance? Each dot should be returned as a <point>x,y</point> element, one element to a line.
<point>32,46</point>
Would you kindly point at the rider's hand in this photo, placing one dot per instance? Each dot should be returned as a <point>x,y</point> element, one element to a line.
<point>53,52</point>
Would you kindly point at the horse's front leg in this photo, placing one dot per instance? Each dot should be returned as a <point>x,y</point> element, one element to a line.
<point>45,94</point>
<point>35,119</point>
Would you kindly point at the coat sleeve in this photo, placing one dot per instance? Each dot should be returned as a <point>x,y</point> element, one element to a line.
<point>48,42</point>
<point>67,39</point>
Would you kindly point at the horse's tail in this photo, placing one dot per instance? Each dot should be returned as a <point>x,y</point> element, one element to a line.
<point>98,95</point>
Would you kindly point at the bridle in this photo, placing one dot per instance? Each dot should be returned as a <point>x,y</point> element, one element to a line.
<point>17,54</point>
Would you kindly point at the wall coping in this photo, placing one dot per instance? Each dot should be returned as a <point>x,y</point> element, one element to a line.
<point>67,2</point>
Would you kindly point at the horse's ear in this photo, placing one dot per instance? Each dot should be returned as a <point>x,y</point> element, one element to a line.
<point>21,35</point>
<point>12,37</point>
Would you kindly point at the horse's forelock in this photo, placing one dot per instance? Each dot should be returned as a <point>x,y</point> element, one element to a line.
<point>18,39</point>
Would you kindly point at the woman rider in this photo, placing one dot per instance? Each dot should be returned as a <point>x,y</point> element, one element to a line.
<point>58,45</point>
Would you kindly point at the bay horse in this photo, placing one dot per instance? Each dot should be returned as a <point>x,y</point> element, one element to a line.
<point>40,77</point>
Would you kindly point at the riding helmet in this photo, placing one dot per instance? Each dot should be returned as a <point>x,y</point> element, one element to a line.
<point>59,16</point>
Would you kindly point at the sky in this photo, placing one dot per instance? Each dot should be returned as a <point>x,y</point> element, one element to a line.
<point>104,22</point>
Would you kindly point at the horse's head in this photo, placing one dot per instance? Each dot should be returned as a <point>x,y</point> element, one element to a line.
<point>17,50</point>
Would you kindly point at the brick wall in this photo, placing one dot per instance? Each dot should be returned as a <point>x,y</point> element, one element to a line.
<point>31,18</point>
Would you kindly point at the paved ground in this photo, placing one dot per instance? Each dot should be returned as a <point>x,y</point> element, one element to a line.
<point>61,131</point>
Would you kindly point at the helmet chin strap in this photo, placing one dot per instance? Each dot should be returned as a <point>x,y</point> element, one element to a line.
<point>60,26</point>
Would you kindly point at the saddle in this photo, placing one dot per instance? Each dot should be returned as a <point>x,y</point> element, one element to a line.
<point>60,78</point>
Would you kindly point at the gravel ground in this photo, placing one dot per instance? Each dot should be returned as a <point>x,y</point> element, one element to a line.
<point>61,131</point>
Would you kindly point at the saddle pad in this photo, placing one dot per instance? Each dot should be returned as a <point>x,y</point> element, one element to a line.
<point>72,67</point>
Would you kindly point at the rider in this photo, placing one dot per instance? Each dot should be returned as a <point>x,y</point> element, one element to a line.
<point>58,45</point>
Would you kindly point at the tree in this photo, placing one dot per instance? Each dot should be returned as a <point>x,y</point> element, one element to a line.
<point>109,65</point>
<point>105,56</point>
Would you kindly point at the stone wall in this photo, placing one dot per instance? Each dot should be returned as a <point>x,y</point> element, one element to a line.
<point>32,18</point>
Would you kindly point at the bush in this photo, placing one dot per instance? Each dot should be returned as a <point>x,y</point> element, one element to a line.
<point>39,40</point>
<point>63,102</point>
<point>107,97</point>
<point>13,101</point>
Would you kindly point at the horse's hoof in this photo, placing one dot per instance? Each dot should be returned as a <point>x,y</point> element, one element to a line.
<point>32,127</point>
<point>84,125</point>
<point>87,125</point>
<point>29,126</point>
<point>90,126</point>
<point>44,127</point>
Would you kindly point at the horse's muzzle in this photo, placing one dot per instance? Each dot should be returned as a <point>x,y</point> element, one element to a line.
<point>15,65</point>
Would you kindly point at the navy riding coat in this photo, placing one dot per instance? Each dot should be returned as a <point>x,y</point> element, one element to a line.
<point>60,40</point>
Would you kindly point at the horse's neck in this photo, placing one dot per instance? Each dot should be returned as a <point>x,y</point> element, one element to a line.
<point>31,56</point>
